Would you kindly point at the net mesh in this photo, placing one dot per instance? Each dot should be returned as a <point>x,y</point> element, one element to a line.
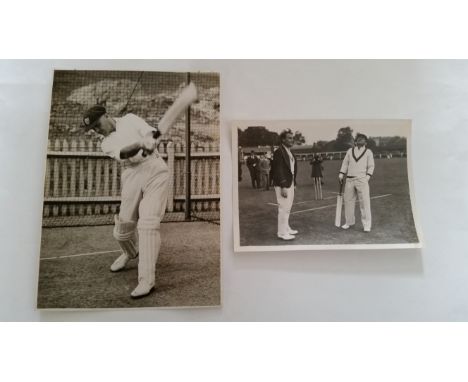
<point>82,185</point>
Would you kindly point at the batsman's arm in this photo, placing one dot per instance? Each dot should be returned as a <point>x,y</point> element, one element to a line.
<point>345,164</point>
<point>370,163</point>
<point>130,150</point>
<point>295,170</point>
<point>147,144</point>
<point>188,95</point>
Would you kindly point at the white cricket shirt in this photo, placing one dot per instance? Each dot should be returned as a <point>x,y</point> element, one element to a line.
<point>358,163</point>
<point>129,129</point>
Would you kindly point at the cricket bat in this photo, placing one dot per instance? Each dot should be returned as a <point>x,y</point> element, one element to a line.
<point>339,205</point>
<point>188,95</point>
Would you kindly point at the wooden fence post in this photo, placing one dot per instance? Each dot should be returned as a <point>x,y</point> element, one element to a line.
<point>89,183</point>
<point>177,172</point>
<point>170,165</point>
<point>206,173</point>
<point>98,177</point>
<point>47,178</point>
<point>81,181</point>
<point>46,210</point>
<point>115,168</point>
<point>56,171</point>
<point>193,163</point>
<point>214,171</point>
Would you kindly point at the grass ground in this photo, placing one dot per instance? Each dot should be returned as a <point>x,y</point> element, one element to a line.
<point>392,219</point>
<point>74,268</point>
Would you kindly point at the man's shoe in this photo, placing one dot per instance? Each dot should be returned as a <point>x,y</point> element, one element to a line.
<point>286,237</point>
<point>293,231</point>
<point>366,229</point>
<point>143,289</point>
<point>345,226</point>
<point>121,262</point>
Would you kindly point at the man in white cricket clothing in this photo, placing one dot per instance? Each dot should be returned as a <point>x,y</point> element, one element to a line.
<point>131,141</point>
<point>284,168</point>
<point>358,167</point>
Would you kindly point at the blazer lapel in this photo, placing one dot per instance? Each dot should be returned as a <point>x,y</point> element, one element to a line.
<point>286,157</point>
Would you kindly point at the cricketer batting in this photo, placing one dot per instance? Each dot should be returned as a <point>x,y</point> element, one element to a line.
<point>130,140</point>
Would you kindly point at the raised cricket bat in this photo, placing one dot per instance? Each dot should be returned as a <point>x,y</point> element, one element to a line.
<point>339,205</point>
<point>185,99</point>
<point>188,95</point>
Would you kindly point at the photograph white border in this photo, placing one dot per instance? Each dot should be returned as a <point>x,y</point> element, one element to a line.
<point>286,248</point>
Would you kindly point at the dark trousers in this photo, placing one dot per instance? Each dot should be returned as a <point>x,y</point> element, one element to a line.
<point>265,181</point>
<point>254,177</point>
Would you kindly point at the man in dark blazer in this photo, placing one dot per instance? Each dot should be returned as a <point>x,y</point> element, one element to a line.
<point>284,168</point>
<point>252,164</point>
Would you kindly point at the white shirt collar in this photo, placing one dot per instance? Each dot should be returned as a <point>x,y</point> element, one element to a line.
<point>359,150</point>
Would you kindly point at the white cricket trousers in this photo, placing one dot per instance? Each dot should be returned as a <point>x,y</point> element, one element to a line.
<point>284,209</point>
<point>144,198</point>
<point>357,187</point>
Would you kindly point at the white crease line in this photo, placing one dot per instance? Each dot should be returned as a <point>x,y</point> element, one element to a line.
<point>328,198</point>
<point>80,254</point>
<point>334,205</point>
<point>307,201</point>
<point>313,200</point>
<point>313,209</point>
<point>381,196</point>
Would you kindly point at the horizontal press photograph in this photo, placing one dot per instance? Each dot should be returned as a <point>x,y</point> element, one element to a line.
<point>131,195</point>
<point>323,184</point>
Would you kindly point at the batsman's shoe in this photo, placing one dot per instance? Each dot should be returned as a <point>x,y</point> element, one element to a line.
<point>143,289</point>
<point>366,229</point>
<point>293,231</point>
<point>346,226</point>
<point>120,262</point>
<point>286,237</point>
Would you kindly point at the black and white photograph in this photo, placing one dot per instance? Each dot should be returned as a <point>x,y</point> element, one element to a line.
<point>323,184</point>
<point>131,193</point>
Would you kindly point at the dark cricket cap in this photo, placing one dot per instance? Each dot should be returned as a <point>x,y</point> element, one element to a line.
<point>92,115</point>
<point>359,135</point>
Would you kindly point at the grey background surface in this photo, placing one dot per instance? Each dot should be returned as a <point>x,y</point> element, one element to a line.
<point>410,285</point>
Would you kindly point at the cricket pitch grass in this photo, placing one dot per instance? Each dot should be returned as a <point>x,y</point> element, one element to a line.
<point>392,218</point>
<point>74,268</point>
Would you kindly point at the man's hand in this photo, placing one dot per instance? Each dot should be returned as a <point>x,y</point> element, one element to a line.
<point>340,177</point>
<point>284,192</point>
<point>368,177</point>
<point>148,143</point>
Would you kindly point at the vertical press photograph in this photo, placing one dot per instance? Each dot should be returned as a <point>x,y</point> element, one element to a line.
<point>323,184</point>
<point>131,194</point>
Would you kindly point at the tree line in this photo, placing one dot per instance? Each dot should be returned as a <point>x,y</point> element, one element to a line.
<point>261,136</point>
